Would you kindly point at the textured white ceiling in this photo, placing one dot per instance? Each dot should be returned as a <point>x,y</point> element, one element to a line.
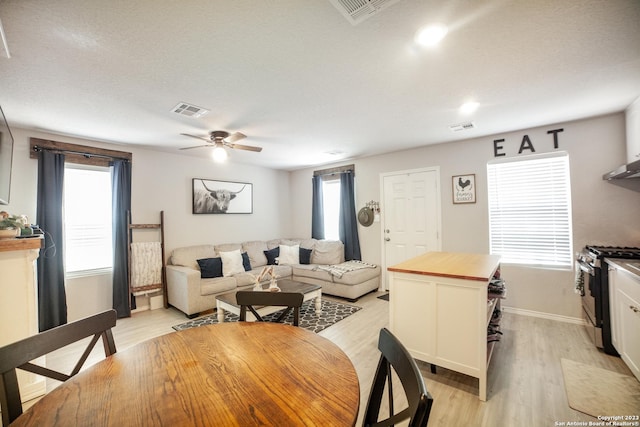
<point>299,80</point>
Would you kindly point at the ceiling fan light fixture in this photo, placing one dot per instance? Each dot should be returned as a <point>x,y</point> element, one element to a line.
<point>219,154</point>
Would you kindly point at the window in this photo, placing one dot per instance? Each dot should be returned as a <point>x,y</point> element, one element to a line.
<point>87,216</point>
<point>530,210</point>
<point>331,208</point>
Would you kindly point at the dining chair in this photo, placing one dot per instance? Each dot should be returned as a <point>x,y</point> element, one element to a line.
<point>20,354</point>
<point>250,299</point>
<point>396,358</point>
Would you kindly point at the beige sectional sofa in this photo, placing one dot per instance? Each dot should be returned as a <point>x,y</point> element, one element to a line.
<point>191,293</point>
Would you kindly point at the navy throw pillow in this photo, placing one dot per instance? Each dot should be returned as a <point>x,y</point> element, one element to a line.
<point>305,256</point>
<point>271,255</point>
<point>210,267</point>
<point>246,263</point>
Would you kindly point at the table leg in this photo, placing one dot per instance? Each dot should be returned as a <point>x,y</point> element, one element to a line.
<point>220,311</point>
<point>319,304</point>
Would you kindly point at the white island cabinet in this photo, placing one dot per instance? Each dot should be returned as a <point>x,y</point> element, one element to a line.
<point>624,302</point>
<point>439,309</point>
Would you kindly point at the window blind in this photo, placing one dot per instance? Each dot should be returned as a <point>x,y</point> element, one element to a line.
<point>87,211</point>
<point>530,210</point>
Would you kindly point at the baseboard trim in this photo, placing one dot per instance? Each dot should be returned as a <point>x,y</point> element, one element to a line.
<point>542,315</point>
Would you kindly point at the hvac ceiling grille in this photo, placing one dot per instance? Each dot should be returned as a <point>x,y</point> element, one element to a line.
<point>189,110</point>
<point>462,126</point>
<point>357,11</point>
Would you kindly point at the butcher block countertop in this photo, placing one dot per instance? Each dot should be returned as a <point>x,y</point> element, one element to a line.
<point>449,264</point>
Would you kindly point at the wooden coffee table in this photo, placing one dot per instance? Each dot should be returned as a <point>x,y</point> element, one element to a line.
<point>227,302</point>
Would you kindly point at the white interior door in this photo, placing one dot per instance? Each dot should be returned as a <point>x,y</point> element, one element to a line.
<point>410,215</point>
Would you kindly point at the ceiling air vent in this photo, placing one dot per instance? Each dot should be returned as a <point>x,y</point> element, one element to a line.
<point>462,126</point>
<point>357,11</point>
<point>189,110</point>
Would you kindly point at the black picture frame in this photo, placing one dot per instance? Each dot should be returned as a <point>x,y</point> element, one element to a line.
<point>211,196</point>
<point>6,159</point>
<point>464,188</point>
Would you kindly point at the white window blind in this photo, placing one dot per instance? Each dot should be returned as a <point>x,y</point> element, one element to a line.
<point>331,208</point>
<point>530,210</point>
<point>87,216</point>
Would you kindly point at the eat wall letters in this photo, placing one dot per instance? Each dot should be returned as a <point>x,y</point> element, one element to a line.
<point>526,144</point>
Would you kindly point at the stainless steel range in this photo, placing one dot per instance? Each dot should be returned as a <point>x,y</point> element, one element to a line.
<point>595,295</point>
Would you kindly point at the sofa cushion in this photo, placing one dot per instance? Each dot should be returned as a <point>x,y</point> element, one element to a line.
<point>244,279</point>
<point>357,276</point>
<point>271,255</point>
<point>289,255</point>
<point>282,271</point>
<point>217,285</point>
<point>328,252</point>
<point>246,263</point>
<point>189,256</point>
<point>273,243</point>
<point>210,267</point>
<point>255,250</point>
<point>310,271</point>
<point>305,255</point>
<point>231,263</point>
<point>228,247</point>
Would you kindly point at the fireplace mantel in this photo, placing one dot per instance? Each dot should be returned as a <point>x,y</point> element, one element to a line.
<point>21,244</point>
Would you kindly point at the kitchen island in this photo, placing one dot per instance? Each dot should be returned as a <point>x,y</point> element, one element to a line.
<point>440,309</point>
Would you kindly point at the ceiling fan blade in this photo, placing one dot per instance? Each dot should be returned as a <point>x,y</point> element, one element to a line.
<point>199,137</point>
<point>197,146</point>
<point>235,137</point>
<point>245,147</point>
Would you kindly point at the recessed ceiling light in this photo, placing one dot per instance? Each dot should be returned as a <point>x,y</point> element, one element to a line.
<point>431,35</point>
<point>469,107</point>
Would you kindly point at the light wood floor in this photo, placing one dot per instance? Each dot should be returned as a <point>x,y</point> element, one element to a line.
<point>525,385</point>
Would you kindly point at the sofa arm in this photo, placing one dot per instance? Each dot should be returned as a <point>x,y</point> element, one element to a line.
<point>183,287</point>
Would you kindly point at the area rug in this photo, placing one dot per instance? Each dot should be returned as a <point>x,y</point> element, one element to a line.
<point>600,392</point>
<point>384,297</point>
<point>332,312</point>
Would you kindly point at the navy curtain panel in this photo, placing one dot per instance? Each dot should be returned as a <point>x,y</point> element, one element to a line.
<point>123,301</point>
<point>348,224</point>
<point>317,210</point>
<point>52,298</point>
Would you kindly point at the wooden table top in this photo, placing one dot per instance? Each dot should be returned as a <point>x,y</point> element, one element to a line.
<point>450,264</point>
<point>240,373</point>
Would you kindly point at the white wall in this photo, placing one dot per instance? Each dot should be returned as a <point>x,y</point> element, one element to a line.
<point>602,213</point>
<point>162,181</point>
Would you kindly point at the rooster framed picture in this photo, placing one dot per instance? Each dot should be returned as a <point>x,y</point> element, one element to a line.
<point>464,188</point>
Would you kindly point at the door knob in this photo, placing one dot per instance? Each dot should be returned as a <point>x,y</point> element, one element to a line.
<point>386,239</point>
<point>386,230</point>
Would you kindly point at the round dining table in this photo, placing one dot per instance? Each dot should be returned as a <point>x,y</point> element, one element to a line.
<point>230,374</point>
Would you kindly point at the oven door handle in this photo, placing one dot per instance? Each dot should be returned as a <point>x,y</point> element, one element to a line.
<point>586,268</point>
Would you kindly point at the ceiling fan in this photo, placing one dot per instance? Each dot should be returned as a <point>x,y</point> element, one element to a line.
<point>219,140</point>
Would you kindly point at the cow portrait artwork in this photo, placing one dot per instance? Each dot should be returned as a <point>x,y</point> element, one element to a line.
<point>221,197</point>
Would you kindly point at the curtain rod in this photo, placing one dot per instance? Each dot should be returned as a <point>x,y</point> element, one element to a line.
<point>37,148</point>
<point>335,171</point>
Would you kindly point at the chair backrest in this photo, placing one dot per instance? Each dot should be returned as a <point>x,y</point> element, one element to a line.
<point>252,299</point>
<point>395,357</point>
<point>20,354</point>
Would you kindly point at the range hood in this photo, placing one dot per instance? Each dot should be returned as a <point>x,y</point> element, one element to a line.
<point>630,170</point>
<point>627,176</point>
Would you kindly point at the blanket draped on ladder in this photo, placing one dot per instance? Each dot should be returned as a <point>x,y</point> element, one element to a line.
<point>146,265</point>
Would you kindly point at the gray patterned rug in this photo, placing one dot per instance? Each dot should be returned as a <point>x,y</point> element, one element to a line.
<point>332,312</point>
